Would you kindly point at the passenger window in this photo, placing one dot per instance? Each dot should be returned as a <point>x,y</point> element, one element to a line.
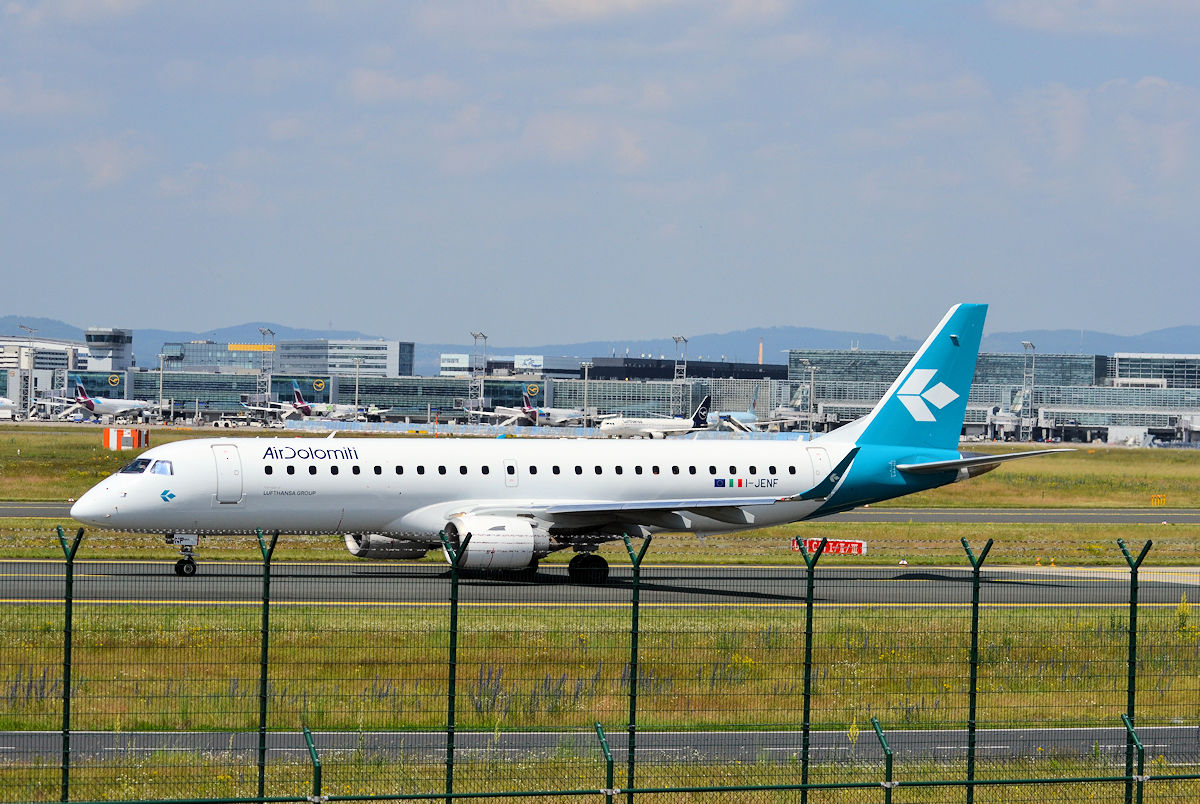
<point>654,469</point>
<point>291,470</point>
<point>674,470</point>
<point>268,470</point>
<point>136,466</point>
<point>462,470</point>
<point>484,470</point>
<point>637,470</point>
<point>578,470</point>
<point>555,470</point>
<point>791,470</point>
<point>356,470</point>
<point>753,470</point>
<point>691,470</point>
<point>399,470</point>
<point>618,469</point>
<point>420,470</point>
<point>712,470</point>
<point>533,470</point>
<point>733,470</point>
<point>161,468</point>
<point>333,470</point>
<point>312,470</point>
<point>598,470</point>
<point>771,470</point>
<point>512,470</point>
<point>441,470</point>
<point>378,470</point>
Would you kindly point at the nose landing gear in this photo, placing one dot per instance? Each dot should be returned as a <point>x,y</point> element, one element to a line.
<point>186,542</point>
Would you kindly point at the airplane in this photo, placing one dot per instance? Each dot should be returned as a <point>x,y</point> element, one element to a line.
<point>535,414</point>
<point>98,406</point>
<point>745,421</point>
<point>329,410</point>
<point>7,404</point>
<point>518,500</point>
<point>657,427</point>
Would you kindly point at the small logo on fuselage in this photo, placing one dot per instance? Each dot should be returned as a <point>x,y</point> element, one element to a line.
<point>167,495</point>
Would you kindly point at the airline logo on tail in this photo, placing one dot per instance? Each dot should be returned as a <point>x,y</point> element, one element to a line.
<point>298,400</point>
<point>914,396</point>
<point>700,417</point>
<point>81,395</point>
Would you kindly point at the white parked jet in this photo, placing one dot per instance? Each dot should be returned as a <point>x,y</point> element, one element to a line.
<point>656,427</point>
<point>521,499</point>
<point>536,415</point>
<point>103,406</point>
<point>329,410</point>
<point>7,404</point>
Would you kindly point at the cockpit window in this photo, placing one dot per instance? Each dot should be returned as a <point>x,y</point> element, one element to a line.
<point>136,466</point>
<point>161,468</point>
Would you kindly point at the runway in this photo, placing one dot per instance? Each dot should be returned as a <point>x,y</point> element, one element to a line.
<point>381,584</point>
<point>1068,516</point>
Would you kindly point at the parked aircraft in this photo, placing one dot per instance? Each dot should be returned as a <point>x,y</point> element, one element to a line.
<point>8,405</point>
<point>535,415</point>
<point>329,410</point>
<point>103,406</point>
<point>520,499</point>
<point>657,427</point>
<point>746,421</point>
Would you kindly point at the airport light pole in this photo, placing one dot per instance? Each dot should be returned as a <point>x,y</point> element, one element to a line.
<point>357,366</point>
<point>1027,403</point>
<point>32,331</point>
<point>587,415</point>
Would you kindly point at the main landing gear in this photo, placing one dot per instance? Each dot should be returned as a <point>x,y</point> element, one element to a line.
<point>588,568</point>
<point>186,542</point>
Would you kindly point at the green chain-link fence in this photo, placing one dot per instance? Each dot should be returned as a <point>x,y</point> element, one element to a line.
<point>812,680</point>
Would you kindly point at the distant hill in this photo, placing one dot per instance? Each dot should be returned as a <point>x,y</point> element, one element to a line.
<point>737,346</point>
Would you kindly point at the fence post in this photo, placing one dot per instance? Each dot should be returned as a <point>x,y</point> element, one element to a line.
<point>316,764</point>
<point>267,551</point>
<point>633,661</point>
<point>455,557</point>
<point>1141,752</point>
<point>888,784</point>
<point>68,616</point>
<point>972,699</point>
<point>810,563</point>
<point>608,779</point>
<point>1131,699</point>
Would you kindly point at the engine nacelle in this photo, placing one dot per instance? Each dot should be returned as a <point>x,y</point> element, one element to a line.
<point>497,542</point>
<point>375,545</point>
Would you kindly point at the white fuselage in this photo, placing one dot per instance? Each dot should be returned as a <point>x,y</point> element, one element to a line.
<point>100,406</point>
<point>630,426</point>
<point>412,487</point>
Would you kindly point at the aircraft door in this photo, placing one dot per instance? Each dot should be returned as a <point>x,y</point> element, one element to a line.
<point>229,473</point>
<point>820,463</point>
<point>511,475</point>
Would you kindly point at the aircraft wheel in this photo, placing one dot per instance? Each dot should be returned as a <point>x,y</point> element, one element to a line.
<point>186,567</point>
<point>588,568</point>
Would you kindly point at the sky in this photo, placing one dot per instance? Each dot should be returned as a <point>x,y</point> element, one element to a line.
<point>594,169</point>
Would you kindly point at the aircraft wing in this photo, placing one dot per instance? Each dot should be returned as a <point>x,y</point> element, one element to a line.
<point>660,513</point>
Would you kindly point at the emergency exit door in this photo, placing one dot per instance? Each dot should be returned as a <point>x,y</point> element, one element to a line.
<point>229,473</point>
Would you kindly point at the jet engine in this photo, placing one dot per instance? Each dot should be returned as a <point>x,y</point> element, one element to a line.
<point>497,543</point>
<point>376,545</point>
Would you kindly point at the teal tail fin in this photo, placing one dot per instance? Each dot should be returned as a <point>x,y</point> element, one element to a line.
<point>926,404</point>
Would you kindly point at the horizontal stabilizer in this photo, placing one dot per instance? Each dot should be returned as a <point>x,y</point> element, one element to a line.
<point>971,461</point>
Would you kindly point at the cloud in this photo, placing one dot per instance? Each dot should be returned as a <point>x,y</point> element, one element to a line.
<point>1106,17</point>
<point>26,95</point>
<point>110,161</point>
<point>75,12</point>
<point>377,87</point>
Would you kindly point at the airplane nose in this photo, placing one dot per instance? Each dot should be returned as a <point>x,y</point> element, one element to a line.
<point>92,508</point>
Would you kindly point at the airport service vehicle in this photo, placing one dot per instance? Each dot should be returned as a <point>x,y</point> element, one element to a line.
<point>521,499</point>
<point>657,427</point>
